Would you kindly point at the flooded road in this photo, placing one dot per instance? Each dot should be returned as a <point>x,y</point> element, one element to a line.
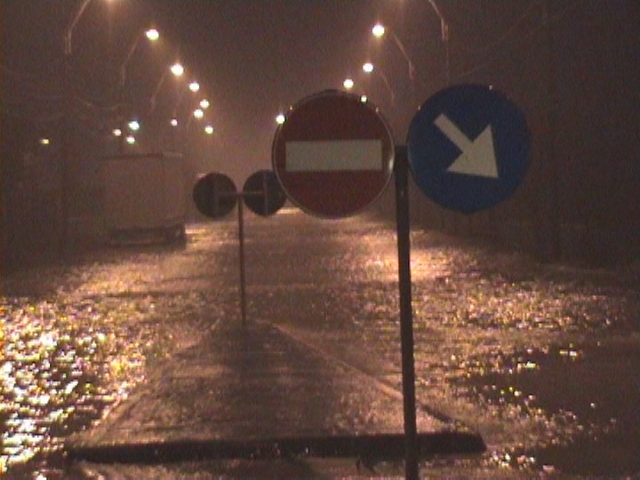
<point>541,360</point>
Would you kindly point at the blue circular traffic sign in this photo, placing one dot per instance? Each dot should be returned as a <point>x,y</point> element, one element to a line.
<point>469,147</point>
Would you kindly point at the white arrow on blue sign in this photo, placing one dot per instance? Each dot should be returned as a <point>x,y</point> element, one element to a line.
<point>469,147</point>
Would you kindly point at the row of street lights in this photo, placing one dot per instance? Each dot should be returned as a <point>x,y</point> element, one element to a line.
<point>125,130</point>
<point>379,31</point>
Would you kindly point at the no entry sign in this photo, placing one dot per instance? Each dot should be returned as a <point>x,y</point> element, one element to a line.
<point>333,154</point>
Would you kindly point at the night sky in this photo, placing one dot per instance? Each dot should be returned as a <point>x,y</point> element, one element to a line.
<point>254,58</point>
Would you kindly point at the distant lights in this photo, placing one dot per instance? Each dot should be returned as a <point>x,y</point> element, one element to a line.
<point>367,67</point>
<point>116,132</point>
<point>348,83</point>
<point>204,104</point>
<point>131,139</point>
<point>198,113</point>
<point>152,34</point>
<point>208,130</point>
<point>134,125</point>
<point>378,30</point>
<point>194,86</point>
<point>174,122</point>
<point>280,118</point>
<point>44,141</point>
<point>363,98</point>
<point>177,69</point>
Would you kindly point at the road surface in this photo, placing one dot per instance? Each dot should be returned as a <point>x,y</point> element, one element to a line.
<point>540,360</point>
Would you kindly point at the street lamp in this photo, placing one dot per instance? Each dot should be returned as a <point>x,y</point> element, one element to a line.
<point>65,154</point>
<point>348,83</point>
<point>379,31</point>
<point>177,70</point>
<point>150,34</point>
<point>444,36</point>
<point>369,68</point>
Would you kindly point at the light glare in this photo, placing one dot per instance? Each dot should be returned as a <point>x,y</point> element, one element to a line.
<point>152,34</point>
<point>378,30</point>
<point>177,69</point>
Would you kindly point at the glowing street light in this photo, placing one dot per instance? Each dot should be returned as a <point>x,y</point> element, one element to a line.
<point>378,30</point>
<point>194,86</point>
<point>280,118</point>
<point>348,83</point>
<point>198,113</point>
<point>369,68</point>
<point>134,125</point>
<point>152,34</point>
<point>204,104</point>
<point>177,69</point>
<point>208,130</point>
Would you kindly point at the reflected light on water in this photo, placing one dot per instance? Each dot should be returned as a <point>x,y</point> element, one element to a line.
<point>57,375</point>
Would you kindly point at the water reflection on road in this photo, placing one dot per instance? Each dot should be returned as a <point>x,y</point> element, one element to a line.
<point>529,355</point>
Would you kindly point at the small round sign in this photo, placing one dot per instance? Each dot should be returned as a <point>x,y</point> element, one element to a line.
<point>215,195</point>
<point>469,147</point>
<point>333,155</point>
<point>263,194</point>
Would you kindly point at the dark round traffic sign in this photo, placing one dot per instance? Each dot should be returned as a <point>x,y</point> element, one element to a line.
<point>469,147</point>
<point>263,194</point>
<point>333,155</point>
<point>214,195</point>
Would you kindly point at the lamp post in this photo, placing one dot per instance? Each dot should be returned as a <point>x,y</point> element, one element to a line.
<point>177,70</point>
<point>150,34</point>
<point>379,31</point>
<point>65,180</point>
<point>444,36</point>
<point>369,68</point>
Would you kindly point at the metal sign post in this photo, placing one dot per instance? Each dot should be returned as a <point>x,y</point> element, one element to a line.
<point>243,295</point>
<point>401,170</point>
<point>215,196</point>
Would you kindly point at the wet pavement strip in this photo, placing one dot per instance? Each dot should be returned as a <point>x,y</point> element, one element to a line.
<point>258,392</point>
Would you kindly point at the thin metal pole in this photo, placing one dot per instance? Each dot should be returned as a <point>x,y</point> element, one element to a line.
<point>243,301</point>
<point>65,153</point>
<point>401,170</point>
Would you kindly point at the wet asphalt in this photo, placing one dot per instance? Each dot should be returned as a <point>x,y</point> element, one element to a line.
<point>144,347</point>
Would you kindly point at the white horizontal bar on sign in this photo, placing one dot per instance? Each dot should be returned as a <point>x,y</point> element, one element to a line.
<point>333,155</point>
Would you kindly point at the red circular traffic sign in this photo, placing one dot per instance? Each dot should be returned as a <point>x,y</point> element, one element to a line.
<point>333,154</point>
